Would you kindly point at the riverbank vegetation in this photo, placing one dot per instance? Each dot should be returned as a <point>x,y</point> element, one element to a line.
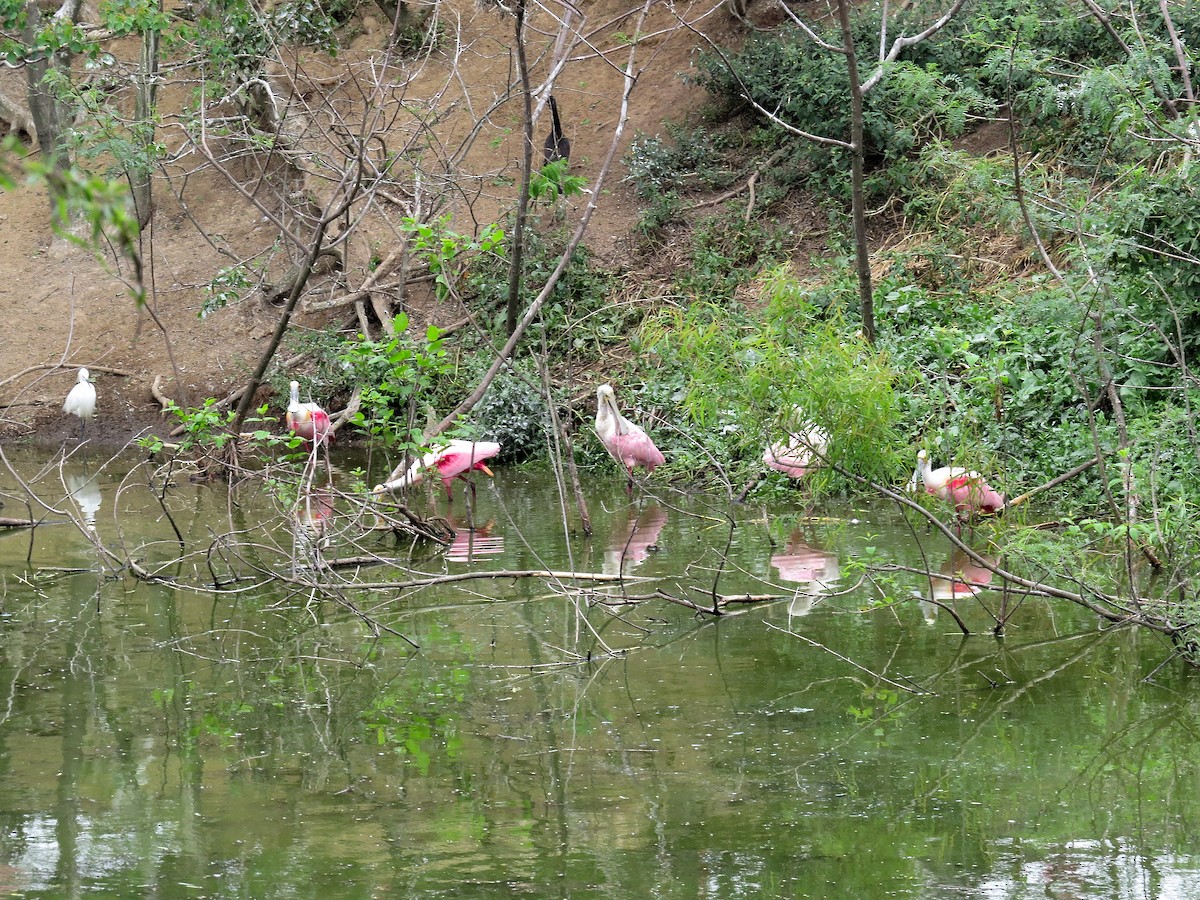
<point>1023,191</point>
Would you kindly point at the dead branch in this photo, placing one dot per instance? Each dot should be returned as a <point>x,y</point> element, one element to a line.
<point>1053,482</point>
<point>157,393</point>
<point>748,185</point>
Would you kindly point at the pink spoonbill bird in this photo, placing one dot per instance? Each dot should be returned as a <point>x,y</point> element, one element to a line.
<point>968,491</point>
<point>456,459</point>
<point>803,450</point>
<point>81,401</point>
<point>308,420</point>
<point>626,443</point>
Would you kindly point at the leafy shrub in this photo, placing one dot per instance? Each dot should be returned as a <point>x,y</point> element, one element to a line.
<point>393,374</point>
<point>513,412</point>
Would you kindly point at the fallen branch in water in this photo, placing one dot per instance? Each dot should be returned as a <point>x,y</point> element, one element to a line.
<point>723,600</point>
<point>497,575</point>
<point>10,522</point>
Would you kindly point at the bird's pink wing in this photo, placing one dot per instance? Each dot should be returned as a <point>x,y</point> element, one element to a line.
<point>636,449</point>
<point>971,490</point>
<point>322,428</point>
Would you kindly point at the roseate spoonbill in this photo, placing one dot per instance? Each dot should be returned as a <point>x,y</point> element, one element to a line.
<point>81,401</point>
<point>471,541</point>
<point>455,460</point>
<point>558,146</point>
<point>959,577</point>
<point>626,443</point>
<point>308,420</point>
<point>801,452</point>
<point>312,514</point>
<point>968,491</point>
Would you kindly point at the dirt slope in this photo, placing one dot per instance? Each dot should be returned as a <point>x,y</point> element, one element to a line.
<point>64,308</point>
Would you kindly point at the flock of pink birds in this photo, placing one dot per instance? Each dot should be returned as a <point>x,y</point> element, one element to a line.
<point>803,450</point>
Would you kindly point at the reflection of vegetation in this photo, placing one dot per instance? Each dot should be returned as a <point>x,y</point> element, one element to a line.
<point>418,715</point>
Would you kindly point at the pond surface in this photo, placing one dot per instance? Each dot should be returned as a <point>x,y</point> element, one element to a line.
<point>492,738</point>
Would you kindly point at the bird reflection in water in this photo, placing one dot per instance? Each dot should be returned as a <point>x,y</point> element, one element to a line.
<point>958,577</point>
<point>470,542</point>
<point>815,570</point>
<point>85,491</point>
<point>637,539</point>
<point>311,518</point>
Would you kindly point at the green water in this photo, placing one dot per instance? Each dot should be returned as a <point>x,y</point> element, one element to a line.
<point>263,740</point>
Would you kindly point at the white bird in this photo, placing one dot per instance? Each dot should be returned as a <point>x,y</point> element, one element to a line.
<point>81,401</point>
<point>86,493</point>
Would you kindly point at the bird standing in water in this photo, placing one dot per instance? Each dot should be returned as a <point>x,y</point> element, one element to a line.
<point>308,420</point>
<point>558,145</point>
<point>968,491</point>
<point>81,401</point>
<point>627,443</point>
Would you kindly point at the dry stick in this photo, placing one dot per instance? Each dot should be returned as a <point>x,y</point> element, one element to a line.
<point>108,370</point>
<point>157,393</point>
<point>846,659</point>
<point>1053,482</point>
<point>730,194</point>
<point>567,448</point>
<point>10,522</point>
<point>368,289</point>
<point>1180,55</point>
<point>510,345</point>
<point>519,226</point>
<point>499,575</point>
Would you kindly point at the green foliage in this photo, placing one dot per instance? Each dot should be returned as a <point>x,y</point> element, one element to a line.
<point>726,252</point>
<point>745,377</point>
<point>206,429</point>
<point>513,412</point>
<point>809,89</point>
<point>234,37</point>
<point>584,315</point>
<point>393,374</point>
<point>553,181</point>
<point>448,253</point>
<point>227,286</point>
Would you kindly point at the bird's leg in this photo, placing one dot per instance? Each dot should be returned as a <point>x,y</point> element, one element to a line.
<point>328,466</point>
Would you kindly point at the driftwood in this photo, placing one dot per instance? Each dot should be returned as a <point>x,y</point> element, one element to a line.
<point>156,392</point>
<point>10,522</point>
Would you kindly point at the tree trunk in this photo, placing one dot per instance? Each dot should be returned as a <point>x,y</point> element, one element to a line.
<point>145,101</point>
<point>49,114</point>
<point>518,245</point>
<point>857,163</point>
